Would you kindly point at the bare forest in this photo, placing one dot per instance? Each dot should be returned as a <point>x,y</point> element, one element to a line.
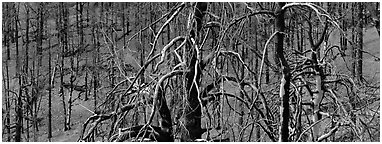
<point>190,71</point>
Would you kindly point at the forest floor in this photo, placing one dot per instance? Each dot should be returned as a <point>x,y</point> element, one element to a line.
<point>80,114</point>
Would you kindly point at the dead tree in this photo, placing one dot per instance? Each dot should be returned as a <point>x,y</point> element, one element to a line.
<point>285,72</point>
<point>192,109</point>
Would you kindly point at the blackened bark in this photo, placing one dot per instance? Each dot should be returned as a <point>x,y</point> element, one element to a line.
<point>50,96</point>
<point>6,31</point>
<point>19,110</point>
<point>241,104</point>
<point>26,65</point>
<point>285,79</point>
<point>266,56</point>
<point>82,45</point>
<point>63,40</point>
<point>165,122</point>
<point>7,103</point>
<point>40,30</point>
<point>353,56</point>
<point>192,110</point>
<point>359,42</point>
<point>344,27</point>
<point>6,83</point>
<point>66,43</point>
<point>377,21</point>
<point>199,12</point>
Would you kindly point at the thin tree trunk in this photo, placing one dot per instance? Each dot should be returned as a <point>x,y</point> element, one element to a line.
<point>62,37</point>
<point>256,63</point>
<point>19,110</point>
<point>72,76</point>
<point>360,26</point>
<point>51,80</point>
<point>266,56</point>
<point>39,66</point>
<point>377,20</point>
<point>141,50</point>
<point>113,45</point>
<point>95,66</point>
<point>33,93</point>
<point>69,106</point>
<point>26,63</point>
<point>7,33</point>
<point>7,103</point>
<point>344,27</point>
<point>353,56</point>
<point>7,99</point>
<point>82,46</point>
<point>97,81</point>
<point>241,77</point>
<point>241,106</point>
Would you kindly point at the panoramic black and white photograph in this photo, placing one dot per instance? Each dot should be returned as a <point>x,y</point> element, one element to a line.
<point>190,71</point>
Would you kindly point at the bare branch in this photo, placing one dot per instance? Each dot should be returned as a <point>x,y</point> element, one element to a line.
<point>331,132</point>
<point>158,20</point>
<point>162,28</point>
<point>263,58</point>
<point>156,93</point>
<point>163,52</point>
<point>237,55</point>
<point>308,128</point>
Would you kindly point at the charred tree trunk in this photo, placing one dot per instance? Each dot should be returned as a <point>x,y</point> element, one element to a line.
<point>66,45</point>
<point>165,122</point>
<point>82,46</point>
<point>51,80</point>
<point>353,57</point>
<point>38,83</point>
<point>241,104</point>
<point>7,102</point>
<point>265,27</point>
<point>343,40</point>
<point>377,20</point>
<point>360,25</point>
<point>192,110</point>
<point>96,57</point>
<point>19,110</point>
<point>63,40</point>
<point>7,24</point>
<point>26,62</point>
<point>6,83</point>
<point>286,76</point>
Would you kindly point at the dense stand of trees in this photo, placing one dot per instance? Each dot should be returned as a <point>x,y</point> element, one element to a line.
<point>201,71</point>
